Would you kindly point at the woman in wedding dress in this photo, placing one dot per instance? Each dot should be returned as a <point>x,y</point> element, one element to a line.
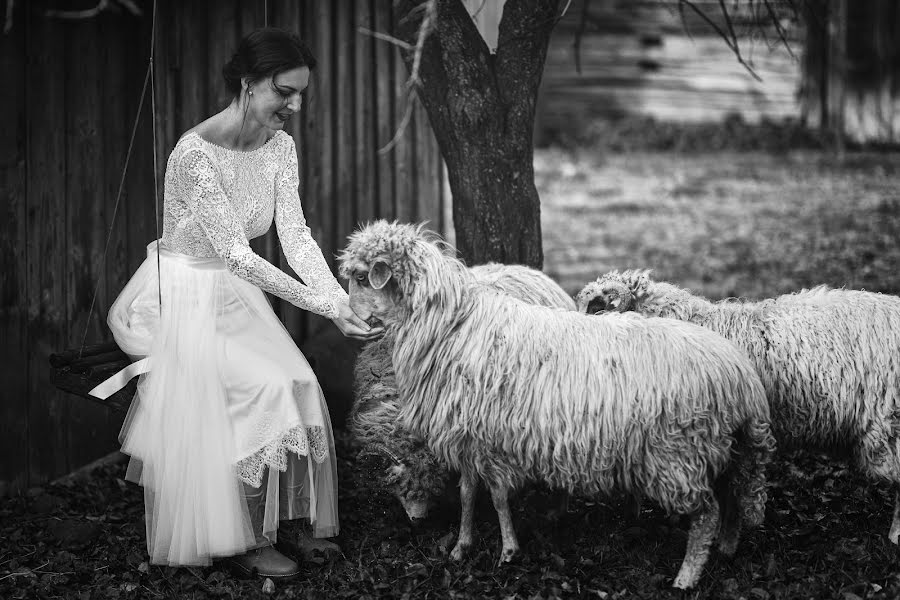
<point>229,432</point>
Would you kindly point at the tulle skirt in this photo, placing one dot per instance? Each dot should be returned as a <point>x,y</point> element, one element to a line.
<point>228,432</point>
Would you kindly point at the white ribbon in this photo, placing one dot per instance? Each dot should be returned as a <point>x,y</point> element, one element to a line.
<point>120,379</point>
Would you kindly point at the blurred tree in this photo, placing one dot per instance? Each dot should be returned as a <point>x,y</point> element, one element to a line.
<point>851,68</point>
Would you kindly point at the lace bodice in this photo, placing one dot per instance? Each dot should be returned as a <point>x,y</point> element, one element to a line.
<point>217,200</point>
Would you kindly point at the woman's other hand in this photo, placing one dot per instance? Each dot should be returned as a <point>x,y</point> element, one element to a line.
<point>354,327</point>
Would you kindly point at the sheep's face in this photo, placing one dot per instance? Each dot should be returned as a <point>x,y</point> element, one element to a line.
<point>396,268</point>
<point>416,482</point>
<point>613,292</point>
<point>373,296</point>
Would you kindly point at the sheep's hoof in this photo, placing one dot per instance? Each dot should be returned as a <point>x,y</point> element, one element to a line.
<point>507,555</point>
<point>728,543</point>
<point>459,551</point>
<point>685,581</point>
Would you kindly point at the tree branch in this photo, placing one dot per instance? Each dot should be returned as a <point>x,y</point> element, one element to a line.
<point>90,13</point>
<point>412,84</point>
<point>730,37</point>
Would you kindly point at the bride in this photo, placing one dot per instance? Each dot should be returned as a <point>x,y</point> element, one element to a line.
<point>229,432</point>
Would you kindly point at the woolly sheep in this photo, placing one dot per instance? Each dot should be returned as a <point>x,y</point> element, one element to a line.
<point>829,359</point>
<point>414,476</point>
<point>506,392</point>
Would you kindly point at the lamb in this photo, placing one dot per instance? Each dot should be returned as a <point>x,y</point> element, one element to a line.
<point>829,359</point>
<point>506,392</point>
<point>414,476</point>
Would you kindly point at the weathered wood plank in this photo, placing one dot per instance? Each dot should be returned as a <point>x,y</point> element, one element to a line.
<point>384,114</point>
<point>345,173</point>
<point>321,133</point>
<point>14,349</point>
<point>194,65</point>
<point>221,44</point>
<point>47,248</point>
<point>364,109</point>
<point>89,433</point>
<point>287,14</point>
<point>81,384</point>
<point>404,191</point>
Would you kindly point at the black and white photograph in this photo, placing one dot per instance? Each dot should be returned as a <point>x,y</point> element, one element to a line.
<point>450,299</point>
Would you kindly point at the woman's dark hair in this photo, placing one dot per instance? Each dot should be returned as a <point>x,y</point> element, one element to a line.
<point>266,52</point>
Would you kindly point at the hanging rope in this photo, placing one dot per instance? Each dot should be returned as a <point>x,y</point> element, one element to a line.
<point>155,166</point>
<point>148,77</point>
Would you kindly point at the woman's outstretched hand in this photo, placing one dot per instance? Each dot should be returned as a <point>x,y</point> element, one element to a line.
<point>354,327</point>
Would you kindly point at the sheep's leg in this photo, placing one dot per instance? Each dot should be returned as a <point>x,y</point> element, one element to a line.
<point>730,526</point>
<point>468,487</point>
<point>500,496</point>
<point>704,526</point>
<point>633,505</point>
<point>894,535</point>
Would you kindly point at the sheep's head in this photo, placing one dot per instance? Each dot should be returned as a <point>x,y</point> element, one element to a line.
<point>614,292</point>
<point>395,267</point>
<point>414,480</point>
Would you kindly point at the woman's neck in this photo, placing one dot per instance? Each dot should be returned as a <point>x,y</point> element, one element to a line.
<point>238,132</point>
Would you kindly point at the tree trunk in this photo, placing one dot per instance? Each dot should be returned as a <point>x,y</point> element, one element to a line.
<point>851,63</point>
<point>481,107</point>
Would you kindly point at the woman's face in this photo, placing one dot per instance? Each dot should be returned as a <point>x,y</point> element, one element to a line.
<point>275,99</point>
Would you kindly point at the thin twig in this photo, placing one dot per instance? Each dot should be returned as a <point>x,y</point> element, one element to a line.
<point>7,26</point>
<point>90,13</point>
<point>425,27</point>
<point>778,28</point>
<point>407,115</point>
<point>579,33</point>
<point>479,9</point>
<point>30,571</point>
<point>730,40</point>
<point>385,38</point>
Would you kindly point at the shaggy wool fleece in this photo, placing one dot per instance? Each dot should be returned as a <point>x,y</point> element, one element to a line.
<point>416,474</point>
<point>515,392</point>
<point>829,358</point>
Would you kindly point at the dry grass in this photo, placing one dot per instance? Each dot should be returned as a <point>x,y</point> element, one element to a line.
<point>729,224</point>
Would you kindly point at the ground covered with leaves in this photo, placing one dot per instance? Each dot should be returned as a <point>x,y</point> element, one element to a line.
<point>824,537</point>
<point>723,224</point>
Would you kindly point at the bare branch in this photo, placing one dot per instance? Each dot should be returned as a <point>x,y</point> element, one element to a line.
<point>385,38</point>
<point>404,122</point>
<point>579,33</point>
<point>90,13</point>
<point>779,29</point>
<point>729,37</point>
<point>429,19</point>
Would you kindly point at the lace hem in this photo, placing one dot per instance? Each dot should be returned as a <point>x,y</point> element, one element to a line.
<point>302,441</point>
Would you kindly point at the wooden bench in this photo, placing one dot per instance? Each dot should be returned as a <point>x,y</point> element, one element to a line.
<point>78,371</point>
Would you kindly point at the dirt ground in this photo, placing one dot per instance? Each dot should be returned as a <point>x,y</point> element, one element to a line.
<point>727,224</point>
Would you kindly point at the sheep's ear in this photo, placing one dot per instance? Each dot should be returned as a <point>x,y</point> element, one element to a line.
<point>379,275</point>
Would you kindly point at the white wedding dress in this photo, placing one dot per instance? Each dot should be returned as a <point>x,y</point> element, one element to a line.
<point>228,432</point>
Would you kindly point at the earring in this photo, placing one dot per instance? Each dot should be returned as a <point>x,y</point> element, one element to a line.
<point>250,92</point>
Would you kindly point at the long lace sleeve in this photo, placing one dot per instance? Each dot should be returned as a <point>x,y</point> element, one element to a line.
<point>301,250</point>
<point>212,210</point>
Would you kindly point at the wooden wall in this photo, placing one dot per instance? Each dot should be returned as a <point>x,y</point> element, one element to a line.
<point>71,92</point>
<point>638,57</point>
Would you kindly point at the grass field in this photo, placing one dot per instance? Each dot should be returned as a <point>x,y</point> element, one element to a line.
<point>729,224</point>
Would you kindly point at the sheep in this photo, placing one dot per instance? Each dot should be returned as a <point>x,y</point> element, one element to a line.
<point>414,476</point>
<point>506,392</point>
<point>829,360</point>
